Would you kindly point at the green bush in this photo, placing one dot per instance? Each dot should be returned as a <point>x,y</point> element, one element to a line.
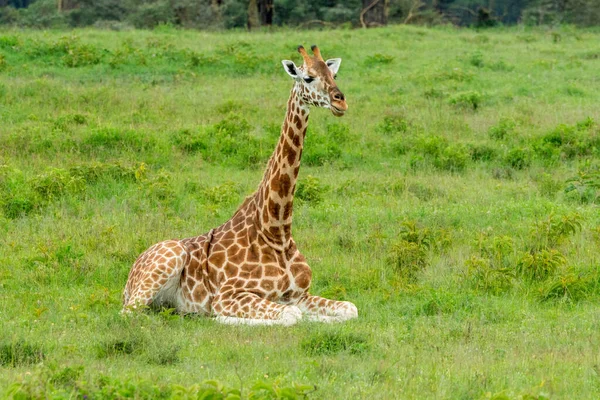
<point>408,259</point>
<point>108,138</point>
<point>518,158</point>
<point>378,59</point>
<point>470,99</point>
<point>488,276</point>
<point>66,377</point>
<point>585,187</point>
<point>226,142</point>
<point>320,149</point>
<point>329,343</point>
<point>453,158</point>
<point>56,182</point>
<point>569,141</point>
<point>225,193</point>
<point>567,285</point>
<point>119,347</point>
<point>150,15</point>
<point>540,264</point>
<point>504,128</point>
<point>16,207</point>
<point>310,189</point>
<point>548,233</point>
<point>20,353</point>
<point>492,269</point>
<point>393,124</point>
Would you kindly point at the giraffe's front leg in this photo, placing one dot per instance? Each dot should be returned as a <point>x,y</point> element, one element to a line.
<point>325,310</point>
<point>237,307</point>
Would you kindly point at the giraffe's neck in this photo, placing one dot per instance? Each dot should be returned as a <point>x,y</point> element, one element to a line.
<point>275,195</point>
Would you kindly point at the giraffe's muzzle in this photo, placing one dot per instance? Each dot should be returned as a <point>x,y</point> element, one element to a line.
<point>338,102</point>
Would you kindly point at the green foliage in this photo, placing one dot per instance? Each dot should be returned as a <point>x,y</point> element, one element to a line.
<point>225,193</point>
<point>150,15</point>
<point>469,99</point>
<point>19,353</point>
<point>585,186</point>
<point>229,141</point>
<point>56,182</point>
<point>439,302</point>
<point>310,189</point>
<point>486,276</point>
<point>166,354</point>
<point>328,343</point>
<point>321,148</point>
<point>518,158</point>
<point>119,347</point>
<point>378,59</point>
<point>551,231</point>
<point>539,265</point>
<point>503,130</point>
<point>408,255</point>
<point>548,185</point>
<point>393,124</point>
<point>69,381</point>
<point>491,270</point>
<point>569,141</point>
<point>568,285</point>
<point>66,377</point>
<point>103,139</point>
<point>452,158</point>
<point>482,152</point>
<point>476,60</point>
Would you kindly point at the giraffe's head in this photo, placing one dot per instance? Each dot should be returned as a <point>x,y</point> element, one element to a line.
<point>316,81</point>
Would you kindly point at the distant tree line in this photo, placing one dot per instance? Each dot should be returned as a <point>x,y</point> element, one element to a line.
<point>251,14</point>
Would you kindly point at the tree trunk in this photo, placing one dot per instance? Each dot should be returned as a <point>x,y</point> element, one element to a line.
<point>265,9</point>
<point>374,12</point>
<point>253,21</point>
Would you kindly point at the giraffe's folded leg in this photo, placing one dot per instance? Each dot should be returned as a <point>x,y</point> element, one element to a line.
<point>154,277</point>
<point>245,308</point>
<point>325,310</point>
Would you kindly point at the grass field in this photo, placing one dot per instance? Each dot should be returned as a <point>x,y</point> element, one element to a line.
<point>456,204</point>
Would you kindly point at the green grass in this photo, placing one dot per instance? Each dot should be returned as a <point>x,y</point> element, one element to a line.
<point>456,204</point>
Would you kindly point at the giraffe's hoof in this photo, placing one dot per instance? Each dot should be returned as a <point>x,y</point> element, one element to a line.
<point>290,315</point>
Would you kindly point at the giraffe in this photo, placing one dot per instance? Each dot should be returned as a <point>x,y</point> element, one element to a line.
<point>249,270</point>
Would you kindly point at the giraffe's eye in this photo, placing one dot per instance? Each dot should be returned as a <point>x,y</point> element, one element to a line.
<point>309,79</point>
<point>335,76</point>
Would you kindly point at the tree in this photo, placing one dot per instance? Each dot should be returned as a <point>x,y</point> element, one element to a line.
<point>265,10</point>
<point>253,21</point>
<point>374,13</point>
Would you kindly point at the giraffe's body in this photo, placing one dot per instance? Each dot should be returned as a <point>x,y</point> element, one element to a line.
<point>249,270</point>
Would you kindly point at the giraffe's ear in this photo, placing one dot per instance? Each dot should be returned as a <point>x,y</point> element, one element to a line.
<point>291,69</point>
<point>334,64</point>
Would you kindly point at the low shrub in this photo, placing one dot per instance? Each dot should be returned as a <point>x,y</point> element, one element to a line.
<point>585,187</point>
<point>539,265</point>
<point>518,158</point>
<point>486,275</point>
<point>378,59</point>
<point>226,142</point>
<point>503,129</point>
<point>453,158</point>
<point>568,286</point>
<point>469,99</point>
<point>548,233</point>
<point>329,343</point>
<point>393,124</point>
<point>310,189</point>
<point>20,352</point>
<point>408,259</point>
